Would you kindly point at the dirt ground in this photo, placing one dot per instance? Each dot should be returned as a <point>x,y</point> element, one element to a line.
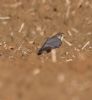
<point>24,25</point>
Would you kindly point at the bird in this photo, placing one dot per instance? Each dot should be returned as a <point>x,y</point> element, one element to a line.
<point>51,43</point>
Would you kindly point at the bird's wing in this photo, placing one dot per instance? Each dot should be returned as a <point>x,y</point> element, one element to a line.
<point>53,42</point>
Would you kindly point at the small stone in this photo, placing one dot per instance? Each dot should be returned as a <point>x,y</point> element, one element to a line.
<point>31,42</point>
<point>36,71</point>
<point>33,32</point>
<point>11,47</point>
<point>0,44</point>
<point>39,28</point>
<point>42,33</point>
<point>69,60</point>
<point>43,1</point>
<point>61,78</point>
<point>4,22</point>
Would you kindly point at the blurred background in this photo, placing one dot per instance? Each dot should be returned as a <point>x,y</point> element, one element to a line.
<point>66,73</point>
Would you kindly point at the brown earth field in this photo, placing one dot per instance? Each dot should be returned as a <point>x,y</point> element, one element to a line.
<point>64,75</point>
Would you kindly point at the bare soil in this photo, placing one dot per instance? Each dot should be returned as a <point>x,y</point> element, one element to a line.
<point>24,26</point>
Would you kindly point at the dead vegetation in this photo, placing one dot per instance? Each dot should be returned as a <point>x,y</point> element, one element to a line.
<point>64,73</point>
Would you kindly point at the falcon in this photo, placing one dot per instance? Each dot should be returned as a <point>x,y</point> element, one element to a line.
<point>51,43</point>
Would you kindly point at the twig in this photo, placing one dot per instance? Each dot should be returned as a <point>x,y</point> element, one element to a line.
<point>53,54</point>
<point>74,30</point>
<point>4,18</point>
<point>69,32</point>
<point>21,27</point>
<point>69,60</point>
<point>68,8</point>
<point>68,43</point>
<point>15,5</point>
<point>87,43</point>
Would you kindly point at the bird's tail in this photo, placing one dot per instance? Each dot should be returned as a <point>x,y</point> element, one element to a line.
<point>39,51</point>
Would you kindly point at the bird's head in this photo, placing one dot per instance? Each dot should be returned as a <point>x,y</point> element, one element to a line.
<point>60,35</point>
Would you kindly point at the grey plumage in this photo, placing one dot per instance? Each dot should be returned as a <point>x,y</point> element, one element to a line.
<point>51,43</point>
